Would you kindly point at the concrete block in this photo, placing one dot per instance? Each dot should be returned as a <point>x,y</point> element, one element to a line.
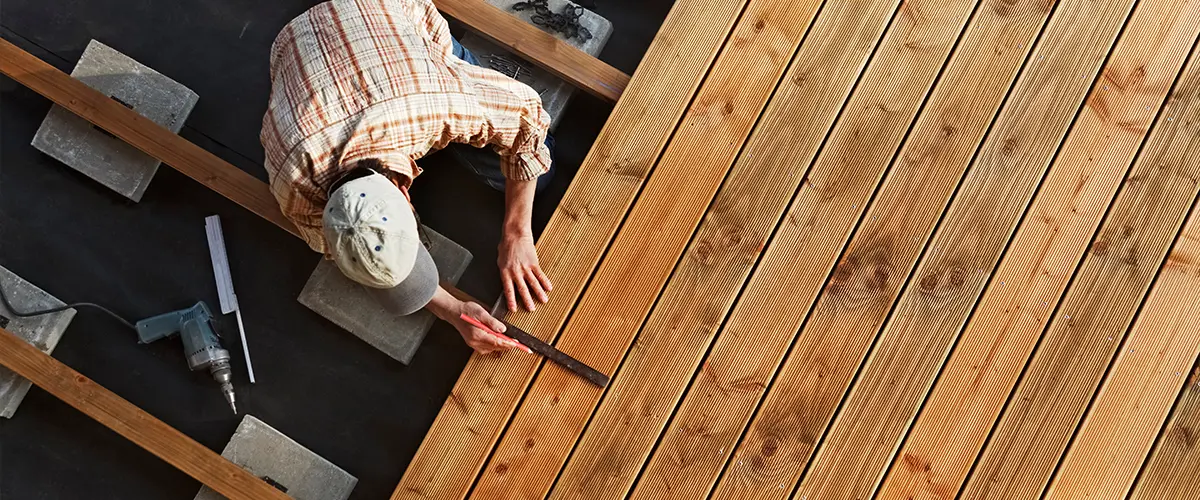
<point>347,304</point>
<point>554,91</point>
<point>92,151</point>
<point>268,453</point>
<point>42,331</point>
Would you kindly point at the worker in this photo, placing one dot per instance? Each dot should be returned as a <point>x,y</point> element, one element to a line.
<point>360,89</point>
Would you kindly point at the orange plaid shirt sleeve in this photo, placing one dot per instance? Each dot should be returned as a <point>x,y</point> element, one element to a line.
<point>357,79</point>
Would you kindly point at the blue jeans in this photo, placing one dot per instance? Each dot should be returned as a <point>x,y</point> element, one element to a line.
<point>484,162</point>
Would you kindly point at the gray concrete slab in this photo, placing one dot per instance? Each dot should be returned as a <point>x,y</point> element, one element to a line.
<point>93,152</point>
<point>554,91</point>
<point>347,304</point>
<point>42,331</point>
<point>268,453</point>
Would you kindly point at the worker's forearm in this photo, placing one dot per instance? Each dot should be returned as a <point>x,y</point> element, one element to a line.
<point>443,305</point>
<point>518,207</point>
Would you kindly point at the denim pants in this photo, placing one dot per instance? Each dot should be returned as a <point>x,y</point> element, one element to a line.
<point>484,162</point>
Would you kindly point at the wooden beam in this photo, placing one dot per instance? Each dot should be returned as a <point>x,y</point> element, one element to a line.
<point>152,139</point>
<point>539,47</point>
<point>1170,471</point>
<point>1010,318</point>
<point>1078,346</point>
<point>972,236</point>
<point>125,419</point>
<point>490,387</point>
<point>624,429</point>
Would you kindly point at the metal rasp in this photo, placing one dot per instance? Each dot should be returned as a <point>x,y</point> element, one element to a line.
<point>563,359</point>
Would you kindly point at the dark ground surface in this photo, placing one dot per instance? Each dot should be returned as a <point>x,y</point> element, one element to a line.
<point>72,237</point>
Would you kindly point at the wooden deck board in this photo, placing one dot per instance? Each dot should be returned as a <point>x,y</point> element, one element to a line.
<point>719,257</point>
<point>1152,364</point>
<point>1010,317</point>
<point>1171,471</point>
<point>629,420</point>
<point>944,188</point>
<point>486,394</point>
<point>1100,303</point>
<point>870,275</point>
<point>948,280</point>
<point>652,239</point>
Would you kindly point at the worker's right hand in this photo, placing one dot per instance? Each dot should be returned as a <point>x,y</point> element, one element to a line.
<point>480,340</point>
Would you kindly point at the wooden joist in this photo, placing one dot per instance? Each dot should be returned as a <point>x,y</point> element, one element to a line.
<point>539,47</point>
<point>152,139</point>
<point>129,421</point>
<point>1015,308</point>
<point>487,392</point>
<point>968,243</point>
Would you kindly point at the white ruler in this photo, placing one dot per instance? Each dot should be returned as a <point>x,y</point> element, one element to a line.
<point>220,263</point>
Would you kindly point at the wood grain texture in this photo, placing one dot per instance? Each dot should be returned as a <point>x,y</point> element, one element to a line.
<point>1170,471</point>
<point>1088,327</point>
<point>1043,255</point>
<point>799,406</point>
<point>131,422</point>
<point>968,243</point>
<point>573,242</point>
<point>624,429</point>
<point>152,139</point>
<point>539,47</point>
<point>653,237</point>
<point>1149,370</point>
<point>830,201</point>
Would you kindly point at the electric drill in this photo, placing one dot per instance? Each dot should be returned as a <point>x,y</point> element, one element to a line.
<point>201,344</point>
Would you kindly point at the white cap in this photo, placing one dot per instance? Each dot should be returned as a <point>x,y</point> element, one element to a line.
<point>371,232</point>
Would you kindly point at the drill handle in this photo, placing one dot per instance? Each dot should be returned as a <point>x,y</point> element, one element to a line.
<point>168,324</point>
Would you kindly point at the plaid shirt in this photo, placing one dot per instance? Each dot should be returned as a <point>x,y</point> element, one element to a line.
<point>356,79</point>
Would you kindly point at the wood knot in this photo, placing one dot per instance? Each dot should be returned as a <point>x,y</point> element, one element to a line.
<point>1100,248</point>
<point>769,447</point>
<point>799,78</point>
<point>956,277</point>
<point>728,109</point>
<point>949,130</point>
<point>1187,435</point>
<point>703,252</point>
<point>529,444</point>
<point>1131,257</point>
<point>732,238</point>
<point>1009,146</point>
<point>501,468</point>
<point>81,379</point>
<point>930,282</point>
<point>759,24</point>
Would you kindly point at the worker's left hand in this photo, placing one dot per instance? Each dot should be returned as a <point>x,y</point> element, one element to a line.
<point>520,273</point>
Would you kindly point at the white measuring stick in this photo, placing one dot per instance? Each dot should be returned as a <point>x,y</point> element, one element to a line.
<point>220,263</point>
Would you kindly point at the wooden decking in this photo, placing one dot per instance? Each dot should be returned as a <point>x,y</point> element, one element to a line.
<point>867,249</point>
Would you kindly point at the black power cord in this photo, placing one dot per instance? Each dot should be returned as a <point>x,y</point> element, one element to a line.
<point>28,314</point>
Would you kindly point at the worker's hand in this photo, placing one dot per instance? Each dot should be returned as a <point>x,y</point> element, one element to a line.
<point>522,277</point>
<point>480,340</point>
